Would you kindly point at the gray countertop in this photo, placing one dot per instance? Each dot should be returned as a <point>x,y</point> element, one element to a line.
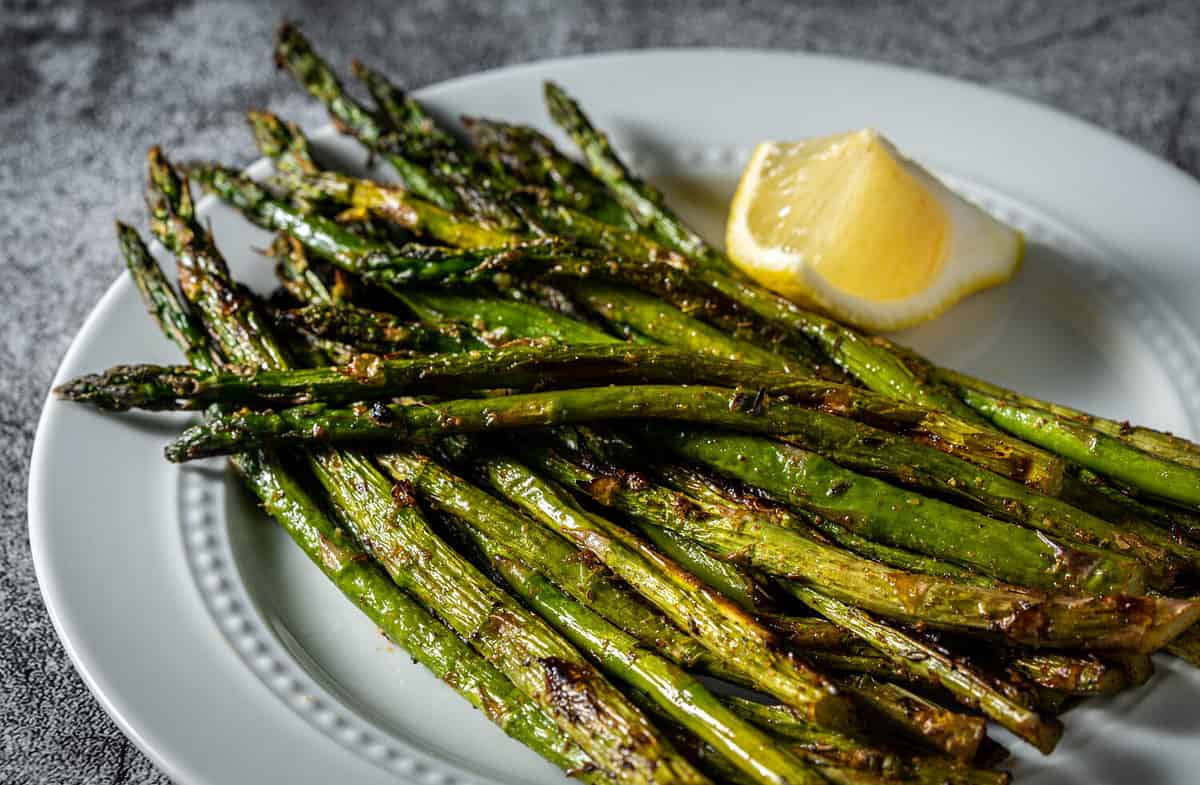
<point>85,88</point>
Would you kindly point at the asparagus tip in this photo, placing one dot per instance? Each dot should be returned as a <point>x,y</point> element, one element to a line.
<point>270,135</point>
<point>287,38</point>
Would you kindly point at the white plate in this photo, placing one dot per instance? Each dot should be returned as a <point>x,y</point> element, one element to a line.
<point>228,658</point>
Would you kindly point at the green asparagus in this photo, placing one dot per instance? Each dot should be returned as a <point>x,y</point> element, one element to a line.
<point>683,698</point>
<point>962,680</point>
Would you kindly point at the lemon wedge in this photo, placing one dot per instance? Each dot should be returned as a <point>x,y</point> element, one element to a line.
<point>849,225</point>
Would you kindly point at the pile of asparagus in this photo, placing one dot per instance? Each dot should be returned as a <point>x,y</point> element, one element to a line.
<point>708,480</point>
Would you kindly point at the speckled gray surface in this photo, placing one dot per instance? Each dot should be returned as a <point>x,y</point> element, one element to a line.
<point>86,87</point>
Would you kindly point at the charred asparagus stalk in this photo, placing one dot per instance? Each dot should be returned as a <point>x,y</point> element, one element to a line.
<point>525,367</point>
<point>1164,445</point>
<point>373,331</point>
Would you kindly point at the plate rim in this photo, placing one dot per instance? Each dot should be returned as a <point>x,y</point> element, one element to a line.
<point>173,761</point>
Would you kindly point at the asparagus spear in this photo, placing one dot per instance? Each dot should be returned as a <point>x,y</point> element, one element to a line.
<point>230,319</point>
<point>614,734</point>
<point>1159,443</point>
<point>623,657</point>
<point>920,719</point>
<point>967,684</point>
<point>932,471</point>
<point>726,578</point>
<point>304,284</point>
<point>852,752</point>
<point>869,451</point>
<point>663,322</point>
<point>729,579</point>
<point>730,636</point>
<point>1023,669</point>
<point>373,331</point>
<point>497,321</point>
<point>296,275</point>
<point>1074,675</point>
<point>402,111</point>
<point>284,143</point>
<point>708,760</point>
<point>720,496</point>
<point>1187,646</point>
<point>1107,455</point>
<point>515,366</point>
<point>1101,497</point>
<point>787,725</point>
<point>1020,675</point>
<point>1159,464</point>
<point>176,322</point>
<point>784,724</point>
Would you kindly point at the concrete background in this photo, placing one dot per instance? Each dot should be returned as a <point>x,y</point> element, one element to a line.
<point>86,87</point>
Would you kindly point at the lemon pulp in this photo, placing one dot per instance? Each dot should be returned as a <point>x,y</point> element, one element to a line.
<point>847,223</point>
